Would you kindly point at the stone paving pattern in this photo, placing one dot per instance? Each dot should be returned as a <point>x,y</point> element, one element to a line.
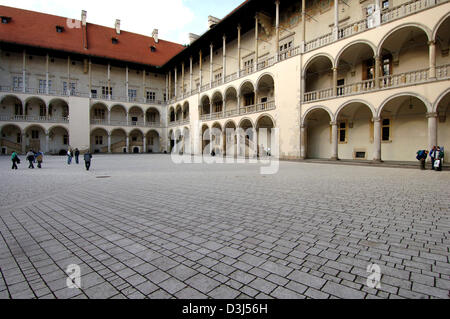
<point>158,230</point>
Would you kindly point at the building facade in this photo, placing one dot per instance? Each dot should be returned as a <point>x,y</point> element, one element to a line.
<point>354,80</point>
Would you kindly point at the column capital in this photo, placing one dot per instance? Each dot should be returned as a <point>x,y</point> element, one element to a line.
<point>239,27</point>
<point>211,45</point>
<point>432,42</point>
<point>333,123</point>
<point>376,119</point>
<point>304,126</point>
<point>432,115</point>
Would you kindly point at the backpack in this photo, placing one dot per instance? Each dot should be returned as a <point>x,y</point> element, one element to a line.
<point>420,155</point>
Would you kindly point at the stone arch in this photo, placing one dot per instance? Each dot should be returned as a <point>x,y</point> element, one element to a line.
<point>36,143</point>
<point>439,100</point>
<point>420,97</point>
<point>343,106</point>
<point>15,102</point>
<point>153,141</point>
<point>99,140</point>
<point>65,109</point>
<point>268,116</point>
<point>265,88</point>
<point>314,57</point>
<point>11,136</point>
<point>439,25</point>
<point>314,108</point>
<point>353,43</point>
<point>39,102</point>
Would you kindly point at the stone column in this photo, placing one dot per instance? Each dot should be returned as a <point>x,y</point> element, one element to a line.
<point>256,42</point>
<point>211,55</point>
<point>336,20</point>
<point>303,34</point>
<point>191,75</point>
<point>126,84</point>
<point>109,143</point>
<point>109,117</point>
<point>128,118</point>
<point>334,141</point>
<point>432,130</point>
<point>47,75</point>
<point>109,82</point>
<point>224,64</point>
<point>277,29</point>
<point>304,141</point>
<point>128,143</point>
<point>47,142</point>
<point>182,80</point>
<point>200,70</point>
<point>377,74</point>
<point>144,148</point>
<point>176,83</point>
<point>239,50</point>
<point>24,72</point>
<point>432,46</point>
<point>24,142</point>
<point>377,139</point>
<point>335,74</point>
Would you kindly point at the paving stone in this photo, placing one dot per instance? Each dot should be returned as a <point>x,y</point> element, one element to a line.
<point>224,292</point>
<point>202,283</point>
<point>342,291</point>
<point>172,285</point>
<point>307,280</point>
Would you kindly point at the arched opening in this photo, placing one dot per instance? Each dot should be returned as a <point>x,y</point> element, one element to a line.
<point>179,113</point>
<point>11,108</point>
<point>355,132</point>
<point>264,128</point>
<point>356,69</point>
<point>318,134</point>
<point>318,79</point>
<point>99,141</point>
<point>248,98</point>
<point>217,103</point>
<point>58,140</point>
<point>99,114</point>
<point>206,140</point>
<point>217,139</point>
<point>205,105</point>
<point>248,146</point>
<point>119,141</point>
<point>231,102</point>
<point>187,148</point>
<point>35,139</point>
<point>118,115</point>
<point>402,52</point>
<point>443,125</point>
<point>11,139</point>
<point>172,115</point>
<point>179,141</point>
<point>58,110</point>
<point>172,140</point>
<point>35,109</point>
<point>153,117</point>
<point>153,142</point>
<point>265,91</point>
<point>186,111</point>
<point>404,128</point>
<point>442,39</point>
<point>136,142</point>
<point>136,116</point>
<point>230,141</point>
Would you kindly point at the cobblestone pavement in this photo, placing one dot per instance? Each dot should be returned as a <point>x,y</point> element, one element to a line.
<point>158,230</point>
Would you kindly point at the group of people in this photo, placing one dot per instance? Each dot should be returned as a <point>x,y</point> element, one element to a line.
<point>33,157</point>
<point>436,155</point>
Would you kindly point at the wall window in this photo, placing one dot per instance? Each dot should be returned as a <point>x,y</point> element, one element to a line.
<point>42,86</point>
<point>248,64</point>
<point>386,130</point>
<point>342,132</point>
<point>94,94</point>
<point>69,88</point>
<point>368,70</point>
<point>387,65</point>
<point>151,96</point>
<point>218,76</point>
<point>132,94</point>
<point>105,91</point>
<point>65,140</point>
<point>99,140</point>
<point>385,4</point>
<point>99,114</point>
<point>249,99</point>
<point>17,83</point>
<point>165,97</point>
<point>34,134</point>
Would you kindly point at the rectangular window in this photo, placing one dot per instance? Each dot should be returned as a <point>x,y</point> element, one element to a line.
<point>385,4</point>
<point>105,91</point>
<point>165,97</point>
<point>42,111</point>
<point>132,94</point>
<point>94,94</point>
<point>386,130</point>
<point>17,83</point>
<point>342,132</point>
<point>368,69</point>
<point>42,86</point>
<point>34,134</point>
<point>65,140</point>
<point>99,140</point>
<point>151,96</point>
<point>69,88</point>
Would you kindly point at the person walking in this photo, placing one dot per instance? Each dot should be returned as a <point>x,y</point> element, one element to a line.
<point>77,155</point>
<point>30,159</point>
<point>433,156</point>
<point>15,160</point>
<point>87,160</point>
<point>439,159</point>
<point>39,159</point>
<point>69,156</point>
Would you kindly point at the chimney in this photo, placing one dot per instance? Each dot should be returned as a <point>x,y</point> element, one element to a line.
<point>117,26</point>
<point>155,35</point>
<point>212,21</point>
<point>193,37</point>
<point>83,18</point>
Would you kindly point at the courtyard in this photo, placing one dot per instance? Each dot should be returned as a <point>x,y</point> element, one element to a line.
<point>139,226</point>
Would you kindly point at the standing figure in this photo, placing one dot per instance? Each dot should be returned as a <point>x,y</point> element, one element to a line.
<point>439,159</point>
<point>433,156</point>
<point>69,156</point>
<point>15,160</point>
<point>77,155</point>
<point>30,159</point>
<point>40,159</point>
<point>87,160</point>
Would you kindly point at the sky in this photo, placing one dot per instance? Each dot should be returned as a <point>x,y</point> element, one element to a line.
<point>175,19</point>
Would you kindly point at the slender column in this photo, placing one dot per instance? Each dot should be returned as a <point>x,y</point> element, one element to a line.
<point>224,71</point>
<point>68,77</point>
<point>47,142</point>
<point>432,46</point>
<point>277,29</point>
<point>128,143</point>
<point>336,19</point>
<point>24,72</point>
<point>256,41</point>
<point>303,88</point>
<point>432,130</point>
<point>335,81</point>
<point>304,139</point>
<point>176,83</point>
<point>182,79</point>
<point>144,96</point>
<point>377,13</point>
<point>239,51</point>
<point>47,75</point>
<point>145,144</point>
<point>377,139</point>
<point>109,82</point>
<point>210,108</point>
<point>24,142</point>
<point>334,140</point>
<point>170,86</point>
<point>128,118</point>
<point>224,107</point>
<point>191,75</point>
<point>90,78</point>
<point>303,34</point>
<point>200,69</point>
<point>211,56</point>
<point>109,117</point>
<point>126,84</point>
<point>167,88</point>
<point>109,143</point>
<point>377,71</point>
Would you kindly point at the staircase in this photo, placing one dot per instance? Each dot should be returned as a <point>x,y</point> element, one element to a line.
<point>11,146</point>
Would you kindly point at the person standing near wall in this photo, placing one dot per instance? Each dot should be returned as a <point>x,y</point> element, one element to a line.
<point>433,156</point>
<point>87,160</point>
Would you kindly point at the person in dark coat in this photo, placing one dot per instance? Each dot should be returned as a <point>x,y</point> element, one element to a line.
<point>422,157</point>
<point>15,160</point>
<point>39,159</point>
<point>30,159</point>
<point>87,160</point>
<point>77,155</point>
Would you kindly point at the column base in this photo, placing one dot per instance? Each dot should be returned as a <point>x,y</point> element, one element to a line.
<point>334,158</point>
<point>378,161</point>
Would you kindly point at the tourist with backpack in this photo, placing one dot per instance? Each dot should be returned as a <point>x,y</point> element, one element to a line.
<point>439,159</point>
<point>15,160</point>
<point>422,157</point>
<point>30,159</point>
<point>87,160</point>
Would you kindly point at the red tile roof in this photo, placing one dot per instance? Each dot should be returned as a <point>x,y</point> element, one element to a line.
<point>39,30</point>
